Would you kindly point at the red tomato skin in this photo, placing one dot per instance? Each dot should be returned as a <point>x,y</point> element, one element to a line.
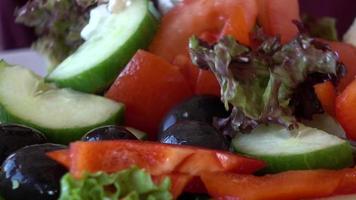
<point>276,17</point>
<point>188,19</point>
<point>326,93</point>
<point>149,87</point>
<point>345,110</point>
<point>347,54</point>
<point>207,84</point>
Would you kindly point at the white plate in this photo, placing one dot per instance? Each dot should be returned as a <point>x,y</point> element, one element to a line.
<point>27,58</point>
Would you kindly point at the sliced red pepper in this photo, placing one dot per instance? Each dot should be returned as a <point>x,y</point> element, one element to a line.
<point>61,156</point>
<point>158,159</point>
<point>290,185</point>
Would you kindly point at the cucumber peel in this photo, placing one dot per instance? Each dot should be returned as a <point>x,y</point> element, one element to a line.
<point>63,115</point>
<point>98,61</point>
<point>302,148</point>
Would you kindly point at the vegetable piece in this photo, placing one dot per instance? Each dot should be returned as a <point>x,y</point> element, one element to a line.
<point>270,84</point>
<point>207,84</point>
<point>345,114</point>
<point>58,25</point>
<point>149,87</point>
<point>323,27</point>
<point>178,182</point>
<point>276,16</point>
<point>347,55</point>
<point>291,185</point>
<point>326,123</point>
<point>61,156</point>
<point>188,19</point>
<point>302,148</point>
<point>326,94</point>
<point>94,66</point>
<point>30,173</point>
<point>132,183</point>
<point>156,158</point>
<point>63,115</point>
<point>14,137</point>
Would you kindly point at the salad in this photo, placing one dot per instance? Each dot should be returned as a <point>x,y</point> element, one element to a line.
<point>192,99</point>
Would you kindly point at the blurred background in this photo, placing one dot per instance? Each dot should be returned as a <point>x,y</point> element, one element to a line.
<point>14,36</point>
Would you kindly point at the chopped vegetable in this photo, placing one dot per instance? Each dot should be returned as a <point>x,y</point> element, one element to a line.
<point>326,94</point>
<point>128,184</point>
<point>302,148</point>
<point>347,55</point>
<point>207,84</point>
<point>94,66</point>
<point>291,185</point>
<point>324,27</point>
<point>149,87</point>
<point>270,84</point>
<point>156,158</point>
<point>58,24</point>
<point>276,16</point>
<point>188,19</point>
<point>345,113</point>
<point>63,115</point>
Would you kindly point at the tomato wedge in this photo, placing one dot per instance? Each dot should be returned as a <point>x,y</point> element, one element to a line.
<point>347,55</point>
<point>345,110</point>
<point>276,16</point>
<point>291,185</point>
<point>194,17</point>
<point>149,87</point>
<point>326,94</point>
<point>207,84</point>
<point>158,159</point>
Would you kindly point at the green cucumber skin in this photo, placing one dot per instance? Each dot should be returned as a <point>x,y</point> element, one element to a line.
<point>100,77</point>
<point>61,136</point>
<point>282,163</point>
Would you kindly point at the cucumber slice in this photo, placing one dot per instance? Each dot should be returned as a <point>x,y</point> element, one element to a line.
<point>326,123</point>
<point>95,65</point>
<point>63,115</point>
<point>302,148</point>
<point>139,134</point>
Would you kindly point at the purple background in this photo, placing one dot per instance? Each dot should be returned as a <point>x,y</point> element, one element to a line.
<point>16,36</point>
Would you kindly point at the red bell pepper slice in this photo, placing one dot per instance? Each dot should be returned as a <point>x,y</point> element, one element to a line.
<point>290,185</point>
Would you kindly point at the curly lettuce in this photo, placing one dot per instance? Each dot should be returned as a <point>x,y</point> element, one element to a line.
<point>57,23</point>
<point>129,184</point>
<point>272,83</point>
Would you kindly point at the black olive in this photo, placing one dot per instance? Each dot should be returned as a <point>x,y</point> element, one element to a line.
<point>14,137</point>
<point>192,196</point>
<point>30,174</point>
<point>198,108</point>
<point>110,132</point>
<point>194,133</point>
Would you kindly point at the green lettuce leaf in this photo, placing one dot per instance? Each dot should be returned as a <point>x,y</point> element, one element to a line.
<point>261,83</point>
<point>129,184</point>
<point>1,198</point>
<point>323,27</point>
